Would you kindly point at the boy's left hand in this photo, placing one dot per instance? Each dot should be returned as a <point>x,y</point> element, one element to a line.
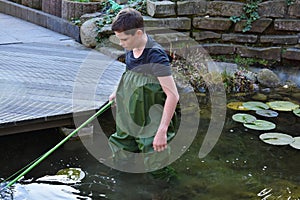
<point>160,141</point>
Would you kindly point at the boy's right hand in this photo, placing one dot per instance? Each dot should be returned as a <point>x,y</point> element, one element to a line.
<point>112,97</point>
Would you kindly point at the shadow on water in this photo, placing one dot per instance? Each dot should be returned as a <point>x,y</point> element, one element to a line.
<point>240,166</point>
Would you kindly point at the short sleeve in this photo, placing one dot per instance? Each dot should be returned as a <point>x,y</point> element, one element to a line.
<point>160,62</point>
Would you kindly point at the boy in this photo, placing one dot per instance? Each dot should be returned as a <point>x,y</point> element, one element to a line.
<point>141,125</point>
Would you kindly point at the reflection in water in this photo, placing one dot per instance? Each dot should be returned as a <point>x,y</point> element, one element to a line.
<point>39,191</point>
<point>240,166</point>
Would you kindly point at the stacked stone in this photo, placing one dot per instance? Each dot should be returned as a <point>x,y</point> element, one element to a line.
<point>275,36</point>
<point>52,7</point>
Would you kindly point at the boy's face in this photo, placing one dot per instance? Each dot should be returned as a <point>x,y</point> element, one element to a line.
<point>128,42</point>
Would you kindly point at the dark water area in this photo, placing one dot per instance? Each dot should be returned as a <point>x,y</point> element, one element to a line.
<point>240,166</point>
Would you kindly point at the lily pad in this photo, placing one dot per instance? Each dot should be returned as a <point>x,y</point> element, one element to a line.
<point>255,105</point>
<point>66,176</point>
<point>277,138</point>
<point>296,143</point>
<point>282,105</point>
<point>243,118</point>
<point>297,112</point>
<point>260,125</point>
<point>267,113</point>
<point>236,106</point>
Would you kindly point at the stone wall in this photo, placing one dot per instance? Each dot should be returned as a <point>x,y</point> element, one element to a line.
<point>275,36</point>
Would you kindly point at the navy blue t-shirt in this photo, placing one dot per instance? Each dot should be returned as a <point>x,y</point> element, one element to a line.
<point>153,61</point>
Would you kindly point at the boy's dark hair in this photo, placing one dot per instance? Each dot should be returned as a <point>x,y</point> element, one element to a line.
<point>128,21</point>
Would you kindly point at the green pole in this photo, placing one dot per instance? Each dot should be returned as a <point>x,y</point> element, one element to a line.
<point>58,145</point>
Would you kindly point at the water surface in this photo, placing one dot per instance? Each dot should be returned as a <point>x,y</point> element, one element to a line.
<point>240,166</point>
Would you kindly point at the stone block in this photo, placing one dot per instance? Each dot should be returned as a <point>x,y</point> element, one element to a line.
<point>192,7</point>
<point>219,49</point>
<point>2,7</point>
<point>276,8</point>
<point>279,39</point>
<point>73,9</point>
<point>18,12</point>
<point>160,8</point>
<point>205,35</point>
<point>24,14</point>
<point>291,54</point>
<point>287,24</point>
<point>174,41</point>
<point>42,19</point>
<point>72,30</point>
<point>171,37</point>
<point>240,38</point>
<point>53,25</point>
<point>294,9</point>
<point>12,10</point>
<point>7,8</point>
<point>212,23</point>
<point>269,53</point>
<point>31,16</point>
<point>225,8</point>
<point>178,23</point>
<point>36,4</point>
<point>52,7</point>
<point>258,26</point>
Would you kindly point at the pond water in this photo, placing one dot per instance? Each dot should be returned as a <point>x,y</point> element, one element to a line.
<point>240,166</point>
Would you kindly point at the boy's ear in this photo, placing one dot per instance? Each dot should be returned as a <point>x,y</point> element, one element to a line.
<point>139,32</point>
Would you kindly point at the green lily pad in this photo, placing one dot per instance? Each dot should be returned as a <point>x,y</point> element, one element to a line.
<point>267,113</point>
<point>243,118</point>
<point>296,143</point>
<point>260,125</point>
<point>277,138</point>
<point>236,106</point>
<point>282,105</point>
<point>297,112</point>
<point>255,105</point>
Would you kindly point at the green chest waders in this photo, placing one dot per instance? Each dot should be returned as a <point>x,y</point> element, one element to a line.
<point>140,100</point>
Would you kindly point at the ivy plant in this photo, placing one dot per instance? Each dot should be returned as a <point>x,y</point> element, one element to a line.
<point>111,9</point>
<point>250,14</point>
<point>290,2</point>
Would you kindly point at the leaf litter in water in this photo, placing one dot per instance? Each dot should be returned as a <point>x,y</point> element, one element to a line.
<point>66,176</point>
<point>243,118</point>
<point>260,125</point>
<point>267,113</point>
<point>282,105</point>
<point>255,105</point>
<point>277,138</point>
<point>236,106</point>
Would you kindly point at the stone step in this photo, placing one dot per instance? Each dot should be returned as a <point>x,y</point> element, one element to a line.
<point>169,40</point>
<point>292,54</point>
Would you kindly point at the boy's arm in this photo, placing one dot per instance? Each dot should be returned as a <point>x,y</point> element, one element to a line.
<point>168,85</point>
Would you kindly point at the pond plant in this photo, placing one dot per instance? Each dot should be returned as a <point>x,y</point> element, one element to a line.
<point>264,109</point>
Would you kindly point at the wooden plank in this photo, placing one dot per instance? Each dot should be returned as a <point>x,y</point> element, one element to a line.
<point>36,87</point>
